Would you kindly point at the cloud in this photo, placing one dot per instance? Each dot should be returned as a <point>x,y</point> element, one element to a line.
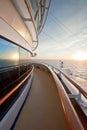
<point>65,30</point>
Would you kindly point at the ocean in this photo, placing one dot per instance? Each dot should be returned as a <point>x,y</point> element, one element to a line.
<point>76,69</point>
<point>7,63</point>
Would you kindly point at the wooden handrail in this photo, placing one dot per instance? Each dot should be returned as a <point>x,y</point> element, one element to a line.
<point>83,92</point>
<point>74,83</point>
<point>3,99</point>
<point>72,119</point>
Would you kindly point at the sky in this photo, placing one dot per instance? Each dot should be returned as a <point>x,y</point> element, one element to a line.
<point>65,33</point>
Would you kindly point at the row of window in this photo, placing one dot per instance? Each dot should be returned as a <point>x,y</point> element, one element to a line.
<point>12,55</point>
<point>14,67</point>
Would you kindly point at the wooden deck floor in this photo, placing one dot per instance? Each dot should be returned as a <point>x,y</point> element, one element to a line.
<point>42,110</point>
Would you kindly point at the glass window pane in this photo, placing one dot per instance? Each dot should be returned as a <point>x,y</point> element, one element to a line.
<point>9,55</point>
<point>23,61</point>
<point>14,63</point>
<point>34,6</point>
<point>9,65</point>
<point>23,56</point>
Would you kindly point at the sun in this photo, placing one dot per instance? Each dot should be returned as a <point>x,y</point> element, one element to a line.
<point>15,56</point>
<point>80,55</point>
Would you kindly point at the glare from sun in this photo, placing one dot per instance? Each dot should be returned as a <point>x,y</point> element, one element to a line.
<point>80,56</point>
<point>15,57</point>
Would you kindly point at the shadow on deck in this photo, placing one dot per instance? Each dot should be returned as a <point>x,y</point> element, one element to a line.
<point>43,109</point>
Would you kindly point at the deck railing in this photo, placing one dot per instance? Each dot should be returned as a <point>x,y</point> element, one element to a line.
<point>43,20</point>
<point>32,20</point>
<point>71,113</point>
<point>78,87</point>
<point>3,99</point>
<point>73,122</point>
<point>72,119</point>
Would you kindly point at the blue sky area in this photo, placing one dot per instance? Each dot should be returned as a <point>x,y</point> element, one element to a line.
<point>65,32</point>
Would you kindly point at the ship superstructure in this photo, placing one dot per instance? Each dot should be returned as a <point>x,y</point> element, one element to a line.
<point>32,95</point>
<point>20,24</point>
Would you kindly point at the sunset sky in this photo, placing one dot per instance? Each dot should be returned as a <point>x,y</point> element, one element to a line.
<point>65,32</point>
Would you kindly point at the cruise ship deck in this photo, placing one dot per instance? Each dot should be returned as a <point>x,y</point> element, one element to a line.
<point>42,109</point>
<point>33,95</point>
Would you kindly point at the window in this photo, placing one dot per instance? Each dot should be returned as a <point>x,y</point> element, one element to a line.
<point>9,55</point>
<point>35,10</point>
<point>14,67</point>
<point>23,61</point>
<point>34,6</point>
<point>9,65</point>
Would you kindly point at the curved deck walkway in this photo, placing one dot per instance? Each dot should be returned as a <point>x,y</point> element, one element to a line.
<point>42,110</point>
